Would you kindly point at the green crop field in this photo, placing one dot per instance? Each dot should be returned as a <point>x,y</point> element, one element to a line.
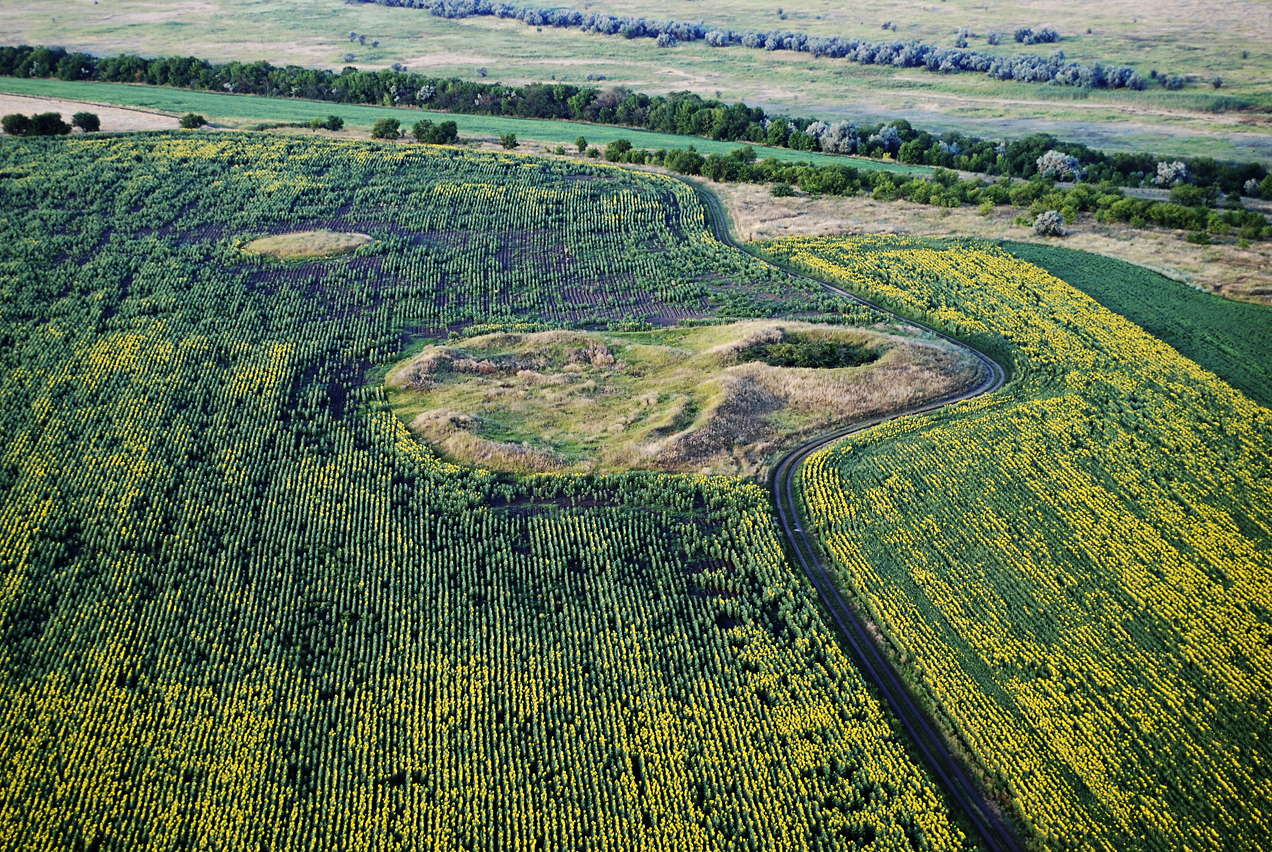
<point>245,110</point>
<point>1231,339</point>
<point>241,608</point>
<point>1073,571</point>
<point>1198,40</point>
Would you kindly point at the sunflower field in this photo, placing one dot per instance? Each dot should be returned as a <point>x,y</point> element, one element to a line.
<point>242,609</point>
<point>1076,571</point>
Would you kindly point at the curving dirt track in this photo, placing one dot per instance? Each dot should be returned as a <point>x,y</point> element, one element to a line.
<point>988,824</point>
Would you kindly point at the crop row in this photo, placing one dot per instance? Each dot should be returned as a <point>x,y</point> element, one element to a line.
<point>241,608</point>
<point>1077,567</point>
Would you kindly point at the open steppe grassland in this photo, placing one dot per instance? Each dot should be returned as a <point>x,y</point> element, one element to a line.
<point>1073,571</point>
<point>1200,40</point>
<point>242,608</point>
<point>716,399</point>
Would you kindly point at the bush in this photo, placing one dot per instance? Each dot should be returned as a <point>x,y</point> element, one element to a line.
<point>581,144</point>
<point>508,140</point>
<point>615,150</point>
<point>1050,224</point>
<point>446,133</point>
<point>1192,196</point>
<point>1059,165</point>
<point>686,162</point>
<point>781,190</point>
<point>16,124</point>
<point>1169,174</point>
<point>334,122</point>
<point>87,121</point>
<point>386,128</point>
<point>193,121</point>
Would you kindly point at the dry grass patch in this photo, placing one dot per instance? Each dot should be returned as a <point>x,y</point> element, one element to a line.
<point>1223,269</point>
<point>308,244</point>
<point>680,399</point>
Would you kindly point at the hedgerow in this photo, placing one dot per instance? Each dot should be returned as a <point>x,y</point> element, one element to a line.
<point>681,113</point>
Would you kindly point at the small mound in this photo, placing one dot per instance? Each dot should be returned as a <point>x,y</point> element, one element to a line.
<point>308,244</point>
<point>714,399</point>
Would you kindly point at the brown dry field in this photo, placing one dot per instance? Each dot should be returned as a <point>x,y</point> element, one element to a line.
<point>114,119</point>
<point>1224,269</point>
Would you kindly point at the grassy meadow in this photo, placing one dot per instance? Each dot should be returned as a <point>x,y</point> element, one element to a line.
<point>1199,40</point>
<point>247,110</point>
<point>673,399</point>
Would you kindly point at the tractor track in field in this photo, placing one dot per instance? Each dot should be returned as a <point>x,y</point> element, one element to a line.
<point>989,825</point>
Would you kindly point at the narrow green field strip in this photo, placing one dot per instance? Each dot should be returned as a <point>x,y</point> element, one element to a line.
<point>1230,339</point>
<point>242,109</point>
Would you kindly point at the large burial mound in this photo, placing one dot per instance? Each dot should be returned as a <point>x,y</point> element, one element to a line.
<point>303,245</point>
<point>716,399</point>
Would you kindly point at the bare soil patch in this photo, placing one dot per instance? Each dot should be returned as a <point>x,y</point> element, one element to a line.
<point>114,119</point>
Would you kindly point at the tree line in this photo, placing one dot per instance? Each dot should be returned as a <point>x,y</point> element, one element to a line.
<point>1189,207</point>
<point>679,113</point>
<point>1025,68</point>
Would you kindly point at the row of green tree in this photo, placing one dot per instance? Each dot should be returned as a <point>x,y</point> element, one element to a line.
<point>681,113</point>
<point>1188,208</point>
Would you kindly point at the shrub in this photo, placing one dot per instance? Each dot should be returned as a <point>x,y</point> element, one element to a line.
<point>16,124</point>
<point>386,128</point>
<point>1192,196</point>
<point>87,121</point>
<point>782,190</point>
<point>1050,224</point>
<point>615,150</point>
<point>446,133</point>
<point>686,162</point>
<point>1059,165</point>
<point>48,124</point>
<point>581,144</point>
<point>1251,188</point>
<point>193,121</point>
<point>508,140</point>
<point>1169,174</point>
<point>334,122</point>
